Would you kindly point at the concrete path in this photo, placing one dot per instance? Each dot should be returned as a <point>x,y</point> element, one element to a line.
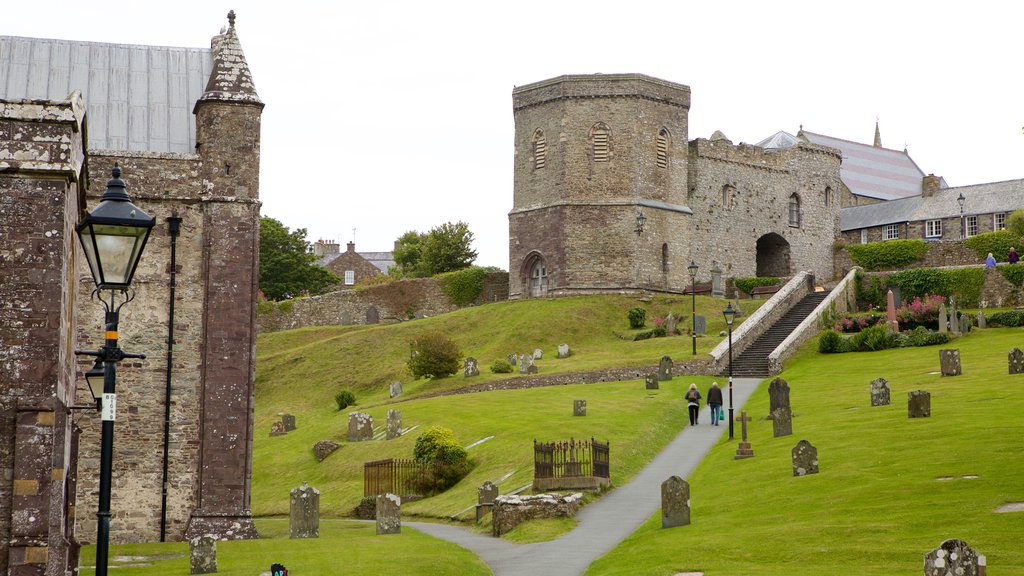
<point>605,523</point>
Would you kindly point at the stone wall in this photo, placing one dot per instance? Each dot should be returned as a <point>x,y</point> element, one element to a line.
<point>940,254</point>
<point>512,510</point>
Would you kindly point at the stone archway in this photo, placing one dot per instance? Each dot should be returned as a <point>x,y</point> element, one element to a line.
<point>535,276</point>
<point>772,256</point>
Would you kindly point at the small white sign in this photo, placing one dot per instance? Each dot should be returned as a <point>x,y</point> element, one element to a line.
<point>109,407</point>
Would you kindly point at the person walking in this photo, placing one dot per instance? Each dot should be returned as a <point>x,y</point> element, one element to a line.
<point>990,261</point>
<point>714,402</point>
<point>693,403</point>
<point>1014,258</point>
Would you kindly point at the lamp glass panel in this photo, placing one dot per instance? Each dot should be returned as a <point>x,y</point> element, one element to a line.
<point>118,249</point>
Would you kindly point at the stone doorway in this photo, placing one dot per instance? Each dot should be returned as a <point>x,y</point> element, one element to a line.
<point>536,272</point>
<point>772,256</point>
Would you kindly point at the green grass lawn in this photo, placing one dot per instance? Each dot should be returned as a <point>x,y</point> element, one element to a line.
<point>877,505</point>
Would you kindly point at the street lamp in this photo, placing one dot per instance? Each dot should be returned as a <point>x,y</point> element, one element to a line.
<point>693,303</point>
<point>640,220</point>
<point>113,237</point>
<point>960,200</point>
<point>730,317</point>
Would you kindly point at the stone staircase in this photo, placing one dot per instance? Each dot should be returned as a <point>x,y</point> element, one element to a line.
<point>753,362</point>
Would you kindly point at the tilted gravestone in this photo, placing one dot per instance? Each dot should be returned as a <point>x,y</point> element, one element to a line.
<point>202,552</point>
<point>675,502</point>
<point>954,558</point>
<point>1016,361</point>
<point>394,426</point>
<point>513,360</point>
<point>949,361</point>
<point>981,320</point>
<point>651,382</point>
<point>304,513</point>
<point>323,449</point>
<point>563,350</point>
<point>277,429</point>
<point>782,415</point>
<point>665,369</point>
<point>389,514</point>
<point>525,363</point>
<point>372,315</point>
<point>288,420</point>
<point>943,319</point>
<point>538,353</point>
<point>579,407</point>
<point>879,392</point>
<point>805,459</point>
<point>396,389</point>
<point>360,427</point>
<point>919,404</point>
<point>470,368</point>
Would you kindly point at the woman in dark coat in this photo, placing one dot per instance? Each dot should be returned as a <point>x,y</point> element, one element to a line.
<point>693,403</point>
<point>714,402</point>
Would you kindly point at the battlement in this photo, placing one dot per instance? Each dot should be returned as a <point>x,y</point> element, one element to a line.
<point>569,87</point>
<point>754,156</point>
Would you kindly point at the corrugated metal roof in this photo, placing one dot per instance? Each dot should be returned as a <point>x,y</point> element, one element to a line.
<point>873,172</point>
<point>137,97</point>
<point>990,198</point>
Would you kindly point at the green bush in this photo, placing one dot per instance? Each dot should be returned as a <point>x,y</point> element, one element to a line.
<point>344,399</point>
<point>998,243</point>
<point>1015,223</point>
<point>888,255</point>
<point>648,334</point>
<point>637,317</point>
<point>285,306</point>
<point>1010,318</point>
<point>873,338</point>
<point>464,286</point>
<point>1014,274</point>
<point>921,336</point>
<point>438,444</point>
<point>501,367</point>
<point>830,342</point>
<point>748,284</point>
<point>964,284</point>
<point>434,355</point>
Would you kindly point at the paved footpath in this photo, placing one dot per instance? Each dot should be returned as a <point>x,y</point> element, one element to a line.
<point>608,521</point>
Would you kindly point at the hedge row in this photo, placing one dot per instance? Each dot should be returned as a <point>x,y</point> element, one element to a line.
<point>963,284</point>
<point>888,255</point>
<point>748,284</point>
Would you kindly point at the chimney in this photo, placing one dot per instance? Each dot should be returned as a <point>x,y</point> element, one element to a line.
<point>930,185</point>
<point>351,247</point>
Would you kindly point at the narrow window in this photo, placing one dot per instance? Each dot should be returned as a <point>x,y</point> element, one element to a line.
<point>933,229</point>
<point>999,221</point>
<point>664,258</point>
<point>972,226</point>
<point>828,195</point>
<point>350,277</point>
<point>863,235</point>
<point>601,138</point>
<point>794,211</point>
<point>540,150</point>
<point>662,148</point>
<point>728,196</point>
<point>892,231</point>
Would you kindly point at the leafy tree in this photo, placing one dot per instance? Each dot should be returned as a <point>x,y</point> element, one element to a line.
<point>446,248</point>
<point>434,355</point>
<point>407,253</point>
<point>1015,223</point>
<point>287,267</point>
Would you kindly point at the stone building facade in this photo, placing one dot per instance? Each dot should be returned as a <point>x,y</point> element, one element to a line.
<point>350,266</point>
<point>610,195</point>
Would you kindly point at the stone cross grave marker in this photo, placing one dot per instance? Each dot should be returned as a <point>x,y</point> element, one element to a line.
<point>782,415</point>
<point>953,558</point>
<point>943,319</point>
<point>675,502</point>
<point>651,381</point>
<point>512,360</point>
<point>1016,361</point>
<point>288,420</point>
<point>700,324</point>
<point>879,392</point>
<point>538,353</point>
<point>304,514</point>
<point>744,450</point>
<point>665,369</point>
<point>360,427</point>
<point>579,407</point>
<point>949,361</point>
<point>919,404</point>
<point>277,429</point>
<point>526,363</point>
<point>202,552</point>
<point>982,323</point>
<point>389,514</point>
<point>805,459</point>
<point>396,389</point>
<point>470,368</point>
<point>394,426</point>
<point>372,315</point>
<point>323,449</point>
<point>563,350</point>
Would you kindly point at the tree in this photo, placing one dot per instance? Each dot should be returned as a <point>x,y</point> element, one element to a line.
<point>407,253</point>
<point>1015,223</point>
<point>287,267</point>
<point>434,355</point>
<point>446,248</point>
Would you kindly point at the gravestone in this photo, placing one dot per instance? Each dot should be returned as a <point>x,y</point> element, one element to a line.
<point>782,415</point>
<point>919,404</point>
<point>277,429</point>
<point>949,361</point>
<point>943,319</point>
<point>525,363</point>
<point>1016,361</point>
<point>743,450</point>
<point>202,552</point>
<point>372,315</point>
<point>346,318</point>
<point>736,307</point>
<point>389,514</point>
<point>538,353</point>
<point>700,324</point>
<point>675,502</point>
<point>304,514</point>
<point>513,360</point>
<point>486,493</point>
<point>891,324</point>
<point>396,389</point>
<point>805,459</point>
<point>982,323</point>
<point>897,295</point>
<point>470,368</point>
<point>563,350</point>
<point>717,286</point>
<point>323,449</point>
<point>665,369</point>
<point>651,382</point>
<point>879,392</point>
<point>965,323</point>
<point>360,427</point>
<point>288,420</point>
<point>954,322</point>
<point>670,324</point>
<point>579,407</point>
<point>954,558</point>
<point>394,426</point>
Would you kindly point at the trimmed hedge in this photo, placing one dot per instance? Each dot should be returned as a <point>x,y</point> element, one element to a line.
<point>888,255</point>
<point>964,284</point>
<point>1010,318</point>
<point>1014,274</point>
<point>998,243</point>
<point>748,284</point>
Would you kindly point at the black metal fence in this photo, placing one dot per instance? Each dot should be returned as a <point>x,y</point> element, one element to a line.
<point>571,459</point>
<point>392,476</point>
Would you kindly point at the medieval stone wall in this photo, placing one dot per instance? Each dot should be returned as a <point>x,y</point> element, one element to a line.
<point>946,253</point>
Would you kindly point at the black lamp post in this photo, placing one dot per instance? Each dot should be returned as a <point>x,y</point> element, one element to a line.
<point>640,220</point>
<point>693,303</point>
<point>730,317</point>
<point>960,200</point>
<point>113,237</point>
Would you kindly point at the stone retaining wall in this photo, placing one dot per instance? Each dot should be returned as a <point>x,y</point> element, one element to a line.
<point>510,511</point>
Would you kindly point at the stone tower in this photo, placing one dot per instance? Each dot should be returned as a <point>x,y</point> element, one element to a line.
<point>591,153</point>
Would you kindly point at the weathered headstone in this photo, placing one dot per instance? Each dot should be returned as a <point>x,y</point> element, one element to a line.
<point>665,369</point>
<point>538,353</point>
<point>360,427</point>
<point>277,429</point>
<point>879,392</point>
<point>389,514</point>
<point>202,552</point>
<point>891,324</point>
<point>513,360</point>
<point>396,389</point>
<point>394,426</point>
<point>805,459</point>
<point>323,449</point>
<point>1016,361</point>
<point>744,450</point>
<point>563,350</point>
<point>675,502</point>
<point>372,315</point>
<point>782,414</point>
<point>736,307</point>
<point>700,324</point>
<point>525,363</point>
<point>304,514</point>
<point>470,368</point>
<point>982,323</point>
<point>288,420</point>
<point>651,381</point>
<point>579,407</point>
<point>943,319</point>
<point>717,286</point>
<point>919,404</point>
<point>486,493</point>
<point>949,361</point>
<point>953,558</point>
<point>965,323</point>
<point>346,318</point>
<point>670,324</point>
<point>954,317</point>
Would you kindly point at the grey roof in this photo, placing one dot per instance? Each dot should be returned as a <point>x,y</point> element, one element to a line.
<point>137,97</point>
<point>891,212</point>
<point>872,171</point>
<point>382,260</point>
<point>779,141</point>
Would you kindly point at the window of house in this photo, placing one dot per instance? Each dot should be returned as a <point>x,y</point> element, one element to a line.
<point>933,229</point>
<point>971,226</point>
<point>863,235</point>
<point>828,195</point>
<point>540,150</point>
<point>662,148</point>
<point>892,231</point>
<point>794,210</point>
<point>999,221</point>
<point>350,277</point>
<point>601,138</point>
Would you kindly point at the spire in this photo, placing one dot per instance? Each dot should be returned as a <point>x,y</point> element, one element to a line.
<point>878,135</point>
<point>230,80</point>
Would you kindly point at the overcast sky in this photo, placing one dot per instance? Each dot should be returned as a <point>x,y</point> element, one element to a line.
<point>385,117</point>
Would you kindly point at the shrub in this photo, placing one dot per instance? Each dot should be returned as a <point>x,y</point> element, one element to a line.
<point>445,461</point>
<point>1014,274</point>
<point>856,322</point>
<point>888,255</point>
<point>464,286</point>
<point>998,243</point>
<point>830,342</point>
<point>434,355</point>
<point>375,280</point>
<point>637,317</point>
<point>873,338</point>
<point>1010,318</point>
<point>438,477</point>
<point>501,367</point>
<point>647,335</point>
<point>1015,223</point>
<point>921,336</point>
<point>344,399</point>
<point>748,284</point>
<point>920,312</point>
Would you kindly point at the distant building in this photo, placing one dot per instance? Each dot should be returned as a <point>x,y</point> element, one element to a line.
<point>351,266</point>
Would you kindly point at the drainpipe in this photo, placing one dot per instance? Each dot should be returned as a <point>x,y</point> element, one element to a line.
<point>173,228</point>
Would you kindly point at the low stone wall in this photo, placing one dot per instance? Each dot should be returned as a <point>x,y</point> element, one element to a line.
<point>940,254</point>
<point>511,511</point>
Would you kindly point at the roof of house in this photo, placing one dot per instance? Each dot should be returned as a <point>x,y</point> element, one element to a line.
<point>382,260</point>
<point>873,171</point>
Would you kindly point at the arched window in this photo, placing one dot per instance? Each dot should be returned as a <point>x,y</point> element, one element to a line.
<point>601,140</point>
<point>662,148</point>
<point>540,150</point>
<point>664,258</point>
<point>794,210</point>
<point>828,195</point>
<point>728,196</point>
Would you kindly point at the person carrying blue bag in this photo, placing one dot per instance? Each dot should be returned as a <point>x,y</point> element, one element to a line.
<point>715,403</point>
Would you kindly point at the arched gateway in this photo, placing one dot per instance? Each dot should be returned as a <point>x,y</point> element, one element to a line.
<point>772,255</point>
